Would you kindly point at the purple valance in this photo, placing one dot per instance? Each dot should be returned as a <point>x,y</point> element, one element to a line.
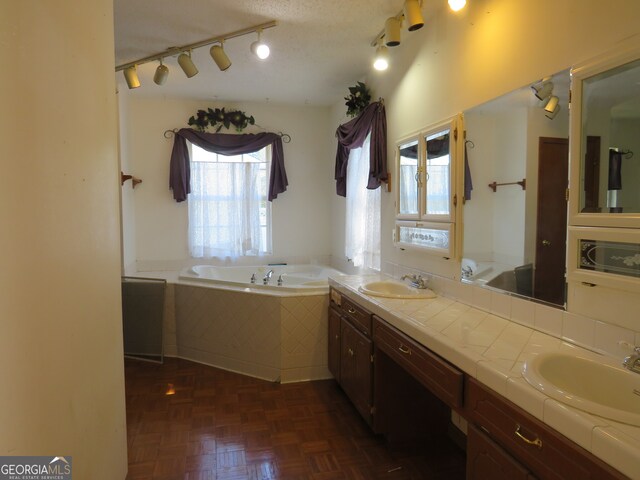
<point>224,144</point>
<point>352,135</point>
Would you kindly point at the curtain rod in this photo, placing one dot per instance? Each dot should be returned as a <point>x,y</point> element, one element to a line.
<point>286,138</point>
<point>185,48</point>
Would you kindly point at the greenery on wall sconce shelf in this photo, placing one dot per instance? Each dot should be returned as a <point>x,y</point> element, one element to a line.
<point>359,97</point>
<point>218,118</point>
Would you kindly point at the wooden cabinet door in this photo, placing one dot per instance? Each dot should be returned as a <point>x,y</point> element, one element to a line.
<point>334,343</point>
<point>486,460</point>
<point>356,368</point>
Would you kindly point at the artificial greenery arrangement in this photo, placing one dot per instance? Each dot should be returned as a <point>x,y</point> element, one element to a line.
<point>359,97</point>
<point>218,118</point>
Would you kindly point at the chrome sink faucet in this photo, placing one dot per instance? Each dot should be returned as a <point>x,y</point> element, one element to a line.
<point>417,281</point>
<point>632,362</point>
<point>267,277</point>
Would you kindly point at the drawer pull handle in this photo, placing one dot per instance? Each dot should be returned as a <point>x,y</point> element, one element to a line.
<point>537,442</point>
<point>351,310</point>
<point>350,352</point>
<point>404,350</point>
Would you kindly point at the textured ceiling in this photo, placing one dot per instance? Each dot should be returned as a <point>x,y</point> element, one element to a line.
<point>318,49</point>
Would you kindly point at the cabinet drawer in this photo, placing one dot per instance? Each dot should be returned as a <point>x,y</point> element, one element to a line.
<point>487,460</point>
<point>359,317</point>
<point>548,454</point>
<point>442,379</point>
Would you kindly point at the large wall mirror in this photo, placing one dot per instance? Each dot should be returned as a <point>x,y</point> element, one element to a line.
<point>515,221</point>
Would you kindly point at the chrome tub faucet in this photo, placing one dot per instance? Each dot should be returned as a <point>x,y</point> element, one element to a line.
<point>632,362</point>
<point>267,277</point>
<point>417,281</point>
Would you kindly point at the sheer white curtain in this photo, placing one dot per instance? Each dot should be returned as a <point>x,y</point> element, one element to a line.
<point>228,208</point>
<point>362,242</point>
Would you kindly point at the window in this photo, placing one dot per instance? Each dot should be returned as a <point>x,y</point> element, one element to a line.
<point>229,214</point>
<point>362,239</point>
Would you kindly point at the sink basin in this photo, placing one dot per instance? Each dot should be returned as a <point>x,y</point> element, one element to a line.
<point>596,386</point>
<point>391,289</point>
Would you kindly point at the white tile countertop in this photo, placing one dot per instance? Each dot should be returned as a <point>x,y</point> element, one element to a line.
<point>493,350</point>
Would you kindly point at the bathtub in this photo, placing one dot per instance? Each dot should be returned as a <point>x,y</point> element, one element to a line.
<point>277,333</point>
<point>300,279</point>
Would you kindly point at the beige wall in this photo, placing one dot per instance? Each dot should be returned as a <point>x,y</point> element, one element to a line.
<point>61,360</point>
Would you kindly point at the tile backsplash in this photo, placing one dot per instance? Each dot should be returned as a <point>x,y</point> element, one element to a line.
<point>595,335</point>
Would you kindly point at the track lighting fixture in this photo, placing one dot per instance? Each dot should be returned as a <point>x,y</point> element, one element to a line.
<point>392,31</point>
<point>411,12</point>
<point>413,15</point>
<point>259,48</point>
<point>184,55</point>
<point>220,57</point>
<point>457,5</point>
<point>542,90</point>
<point>162,72</point>
<point>131,77</point>
<point>187,65</point>
<point>381,61</point>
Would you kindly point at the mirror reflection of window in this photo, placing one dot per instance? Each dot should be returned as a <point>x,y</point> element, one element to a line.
<point>438,172</point>
<point>409,178</point>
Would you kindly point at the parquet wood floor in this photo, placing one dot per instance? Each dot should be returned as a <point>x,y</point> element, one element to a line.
<point>223,426</point>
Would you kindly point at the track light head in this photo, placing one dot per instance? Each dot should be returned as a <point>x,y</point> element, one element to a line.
<point>552,103</point>
<point>187,65</point>
<point>542,90</point>
<point>392,32</point>
<point>162,72</point>
<point>413,15</point>
<point>259,48</point>
<point>552,114</point>
<point>131,77</point>
<point>220,57</point>
<point>381,61</point>
<point>457,5</point>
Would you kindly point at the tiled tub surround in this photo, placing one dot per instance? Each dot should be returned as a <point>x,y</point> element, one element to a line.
<point>493,350</point>
<point>273,337</point>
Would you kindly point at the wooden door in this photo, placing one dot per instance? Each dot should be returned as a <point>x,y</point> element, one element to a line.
<point>551,228</point>
<point>592,175</point>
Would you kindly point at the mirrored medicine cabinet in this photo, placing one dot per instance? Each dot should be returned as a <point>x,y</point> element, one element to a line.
<point>426,197</point>
<point>604,226</point>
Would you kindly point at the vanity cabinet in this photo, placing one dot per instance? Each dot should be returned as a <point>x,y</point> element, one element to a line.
<point>440,377</point>
<point>410,394</point>
<point>515,441</point>
<point>351,351</point>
